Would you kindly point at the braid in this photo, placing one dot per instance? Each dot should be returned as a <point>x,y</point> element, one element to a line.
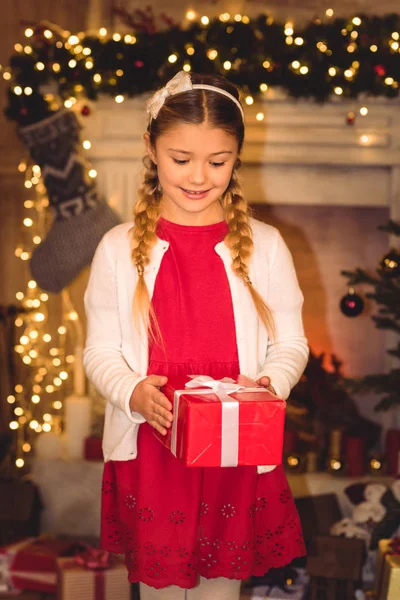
<point>146,213</point>
<point>240,242</point>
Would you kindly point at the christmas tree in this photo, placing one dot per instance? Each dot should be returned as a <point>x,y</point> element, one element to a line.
<point>386,294</point>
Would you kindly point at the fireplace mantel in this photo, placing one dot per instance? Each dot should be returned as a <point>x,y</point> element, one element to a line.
<point>300,153</point>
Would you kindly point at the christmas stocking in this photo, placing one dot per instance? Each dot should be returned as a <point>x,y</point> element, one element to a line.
<point>80,217</point>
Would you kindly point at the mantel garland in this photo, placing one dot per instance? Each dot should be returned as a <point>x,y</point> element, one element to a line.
<point>344,57</point>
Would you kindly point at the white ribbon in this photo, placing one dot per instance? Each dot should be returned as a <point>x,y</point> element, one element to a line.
<point>181,82</point>
<point>230,413</point>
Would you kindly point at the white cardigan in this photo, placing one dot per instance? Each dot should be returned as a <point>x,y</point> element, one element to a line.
<point>116,353</point>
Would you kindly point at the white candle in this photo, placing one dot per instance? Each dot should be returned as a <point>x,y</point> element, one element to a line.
<point>79,372</point>
<point>78,416</point>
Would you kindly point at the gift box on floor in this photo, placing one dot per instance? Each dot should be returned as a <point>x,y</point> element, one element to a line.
<point>388,570</point>
<point>20,507</point>
<point>31,564</point>
<point>317,514</point>
<point>97,576</point>
<point>295,591</point>
<point>223,423</point>
<point>335,565</point>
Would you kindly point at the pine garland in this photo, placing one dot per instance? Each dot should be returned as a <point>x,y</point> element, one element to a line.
<point>342,57</point>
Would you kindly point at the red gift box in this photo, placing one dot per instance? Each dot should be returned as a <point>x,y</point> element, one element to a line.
<point>231,424</point>
<point>31,564</point>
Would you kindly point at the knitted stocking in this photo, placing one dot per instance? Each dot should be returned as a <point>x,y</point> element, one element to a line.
<point>80,217</point>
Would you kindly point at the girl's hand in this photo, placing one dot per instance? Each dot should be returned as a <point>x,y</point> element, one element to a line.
<point>266,382</point>
<point>149,402</point>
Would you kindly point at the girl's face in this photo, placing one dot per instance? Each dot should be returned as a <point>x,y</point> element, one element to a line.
<point>194,164</point>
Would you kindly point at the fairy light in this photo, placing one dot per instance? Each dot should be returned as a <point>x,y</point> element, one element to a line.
<point>17,90</point>
<point>13,425</point>
<point>364,139</point>
<point>46,427</point>
<point>10,399</point>
<point>28,91</point>
<point>6,75</point>
<point>18,411</point>
<point>26,447</point>
<point>298,41</point>
<point>57,404</point>
<point>190,15</point>
<point>19,463</point>
<point>338,90</point>
<point>389,80</point>
<point>186,67</point>
<point>225,17</point>
<point>117,37</point>
<point>29,32</point>
<point>73,40</point>
<point>40,66</point>
<point>260,116</point>
<point>322,47</point>
<point>227,65</point>
<point>28,49</point>
<point>204,20</point>
<point>266,64</point>
<point>395,35</point>
<point>72,63</point>
<point>363,111</point>
<point>289,40</point>
<point>89,64</point>
<point>374,48</point>
<point>237,18</point>
<point>118,99</point>
<point>289,29</point>
<point>190,50</point>
<point>33,424</point>
<point>18,48</point>
<point>263,87</point>
<point>249,100</point>
<point>172,58</point>
<point>329,12</point>
<point>35,399</point>
<point>212,54</point>
<point>356,21</point>
<point>102,31</point>
<point>56,67</point>
<point>93,173</point>
<point>303,70</point>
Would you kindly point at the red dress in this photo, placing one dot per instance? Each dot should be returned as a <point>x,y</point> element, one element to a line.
<point>174,522</point>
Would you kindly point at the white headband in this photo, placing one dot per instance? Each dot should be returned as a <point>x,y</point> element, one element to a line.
<point>182,82</point>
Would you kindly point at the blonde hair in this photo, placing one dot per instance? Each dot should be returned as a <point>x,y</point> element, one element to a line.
<point>194,107</point>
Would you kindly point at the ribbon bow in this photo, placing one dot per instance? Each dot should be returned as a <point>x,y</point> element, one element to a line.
<point>181,82</point>
<point>94,559</point>
<point>225,385</point>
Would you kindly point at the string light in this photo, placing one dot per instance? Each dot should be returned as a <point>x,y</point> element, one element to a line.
<point>263,87</point>
<point>118,99</point>
<point>227,65</point>
<point>172,58</point>
<point>224,17</point>
<point>29,32</point>
<point>299,41</point>
<point>374,48</point>
<point>205,20</point>
<point>338,90</point>
<point>364,139</point>
<point>260,116</point>
<point>237,18</point>
<point>187,67</point>
<point>212,54</point>
<point>249,100</point>
<point>289,29</point>
<point>117,37</point>
<point>304,70</point>
<point>102,31</point>
<point>395,35</point>
<point>329,12</point>
<point>357,21</point>
<point>363,111</point>
<point>86,144</point>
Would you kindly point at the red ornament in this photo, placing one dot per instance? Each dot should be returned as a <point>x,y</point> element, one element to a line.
<point>85,111</point>
<point>351,118</point>
<point>23,112</point>
<point>380,70</point>
<point>138,64</point>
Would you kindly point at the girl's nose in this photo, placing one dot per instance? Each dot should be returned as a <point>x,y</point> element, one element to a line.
<point>197,176</point>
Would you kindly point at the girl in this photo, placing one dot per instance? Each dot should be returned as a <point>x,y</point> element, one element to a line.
<point>214,293</point>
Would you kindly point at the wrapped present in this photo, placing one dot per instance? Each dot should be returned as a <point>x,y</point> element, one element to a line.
<point>224,423</point>
<point>20,507</point>
<point>294,591</point>
<point>93,575</point>
<point>30,564</point>
<point>388,570</point>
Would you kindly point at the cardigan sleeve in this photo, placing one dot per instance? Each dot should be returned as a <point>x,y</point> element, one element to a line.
<point>287,354</point>
<point>102,357</point>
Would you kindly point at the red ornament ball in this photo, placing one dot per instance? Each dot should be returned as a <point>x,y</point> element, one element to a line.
<point>352,305</point>
<point>380,70</point>
<point>351,118</point>
<point>85,111</point>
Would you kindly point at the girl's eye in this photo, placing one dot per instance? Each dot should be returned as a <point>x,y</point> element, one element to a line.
<point>215,164</point>
<point>180,162</point>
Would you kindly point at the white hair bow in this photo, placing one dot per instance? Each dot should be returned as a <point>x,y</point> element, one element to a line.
<point>181,82</point>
